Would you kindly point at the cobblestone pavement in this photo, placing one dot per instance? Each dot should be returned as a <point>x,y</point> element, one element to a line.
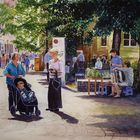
<point>82,117</point>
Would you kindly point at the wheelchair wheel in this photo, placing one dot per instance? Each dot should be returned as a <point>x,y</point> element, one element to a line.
<point>13,110</point>
<point>37,113</point>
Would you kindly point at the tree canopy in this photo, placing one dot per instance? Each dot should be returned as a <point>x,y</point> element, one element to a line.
<point>30,20</point>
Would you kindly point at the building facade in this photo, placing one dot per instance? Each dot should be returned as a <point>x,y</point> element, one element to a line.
<point>6,45</point>
<point>129,49</point>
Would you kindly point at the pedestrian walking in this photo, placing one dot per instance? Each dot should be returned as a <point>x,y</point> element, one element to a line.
<point>13,70</point>
<point>3,61</point>
<point>27,63</point>
<point>54,91</point>
<point>7,58</point>
<point>47,58</point>
<point>22,58</point>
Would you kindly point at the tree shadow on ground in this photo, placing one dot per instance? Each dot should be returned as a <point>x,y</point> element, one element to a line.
<point>43,82</point>
<point>118,125</point>
<point>131,100</point>
<point>26,118</point>
<point>119,117</point>
<point>35,73</point>
<point>67,118</point>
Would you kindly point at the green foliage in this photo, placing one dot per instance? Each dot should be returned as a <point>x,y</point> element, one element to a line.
<point>135,67</point>
<point>135,31</point>
<point>33,19</point>
<point>70,19</point>
<point>118,14</point>
<point>26,22</point>
<point>93,73</point>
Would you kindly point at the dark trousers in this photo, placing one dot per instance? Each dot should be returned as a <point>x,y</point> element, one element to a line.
<point>54,95</point>
<point>27,68</point>
<point>47,67</point>
<point>12,96</point>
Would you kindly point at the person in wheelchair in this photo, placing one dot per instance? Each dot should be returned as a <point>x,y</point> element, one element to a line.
<point>24,89</point>
<point>124,77</point>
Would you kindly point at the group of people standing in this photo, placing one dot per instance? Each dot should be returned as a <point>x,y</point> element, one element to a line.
<point>25,60</point>
<point>15,69</point>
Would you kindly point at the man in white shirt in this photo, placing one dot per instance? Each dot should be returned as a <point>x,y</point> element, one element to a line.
<point>81,59</point>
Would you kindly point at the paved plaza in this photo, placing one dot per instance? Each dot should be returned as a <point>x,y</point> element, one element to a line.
<point>83,117</point>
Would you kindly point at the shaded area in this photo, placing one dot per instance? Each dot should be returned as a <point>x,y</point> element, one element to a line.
<point>116,117</point>
<point>35,73</point>
<point>121,125</point>
<point>25,118</point>
<point>67,118</point>
<point>42,81</point>
<point>131,100</point>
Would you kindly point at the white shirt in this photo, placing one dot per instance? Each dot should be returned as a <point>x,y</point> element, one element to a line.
<point>81,57</point>
<point>57,66</point>
<point>98,65</point>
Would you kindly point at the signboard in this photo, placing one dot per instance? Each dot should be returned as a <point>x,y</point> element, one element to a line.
<point>59,43</point>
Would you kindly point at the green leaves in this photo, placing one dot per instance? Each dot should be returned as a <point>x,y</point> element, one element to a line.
<point>74,19</point>
<point>119,14</point>
<point>93,73</point>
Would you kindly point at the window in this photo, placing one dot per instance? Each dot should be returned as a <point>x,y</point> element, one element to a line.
<point>129,40</point>
<point>104,41</point>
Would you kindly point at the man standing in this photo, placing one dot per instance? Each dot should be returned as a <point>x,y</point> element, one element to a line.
<point>47,58</point>
<point>116,62</point>
<point>81,60</point>
<point>27,63</point>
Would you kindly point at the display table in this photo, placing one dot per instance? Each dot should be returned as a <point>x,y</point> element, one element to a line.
<point>102,82</point>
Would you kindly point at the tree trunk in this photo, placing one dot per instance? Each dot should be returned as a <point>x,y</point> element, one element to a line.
<point>46,31</point>
<point>116,40</point>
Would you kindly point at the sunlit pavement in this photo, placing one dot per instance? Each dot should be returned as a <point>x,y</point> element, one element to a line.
<point>82,117</point>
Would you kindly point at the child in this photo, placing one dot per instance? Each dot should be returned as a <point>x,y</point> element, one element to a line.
<point>25,92</point>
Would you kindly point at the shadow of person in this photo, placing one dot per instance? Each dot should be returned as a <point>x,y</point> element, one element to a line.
<point>67,118</point>
<point>25,118</point>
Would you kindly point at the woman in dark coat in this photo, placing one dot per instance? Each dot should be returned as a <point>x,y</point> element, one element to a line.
<point>54,91</point>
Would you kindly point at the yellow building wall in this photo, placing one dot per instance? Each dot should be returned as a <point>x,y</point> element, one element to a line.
<point>127,53</point>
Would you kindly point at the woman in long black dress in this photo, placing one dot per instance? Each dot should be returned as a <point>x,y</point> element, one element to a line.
<point>54,91</point>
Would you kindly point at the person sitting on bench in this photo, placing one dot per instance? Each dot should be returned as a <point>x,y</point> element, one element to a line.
<point>123,80</point>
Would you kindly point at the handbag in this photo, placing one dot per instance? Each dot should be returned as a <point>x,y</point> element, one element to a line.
<point>56,83</point>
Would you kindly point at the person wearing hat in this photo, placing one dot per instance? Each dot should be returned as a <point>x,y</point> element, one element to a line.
<point>54,90</point>
<point>13,70</point>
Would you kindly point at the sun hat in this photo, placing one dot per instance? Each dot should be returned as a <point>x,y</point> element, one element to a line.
<point>54,50</point>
